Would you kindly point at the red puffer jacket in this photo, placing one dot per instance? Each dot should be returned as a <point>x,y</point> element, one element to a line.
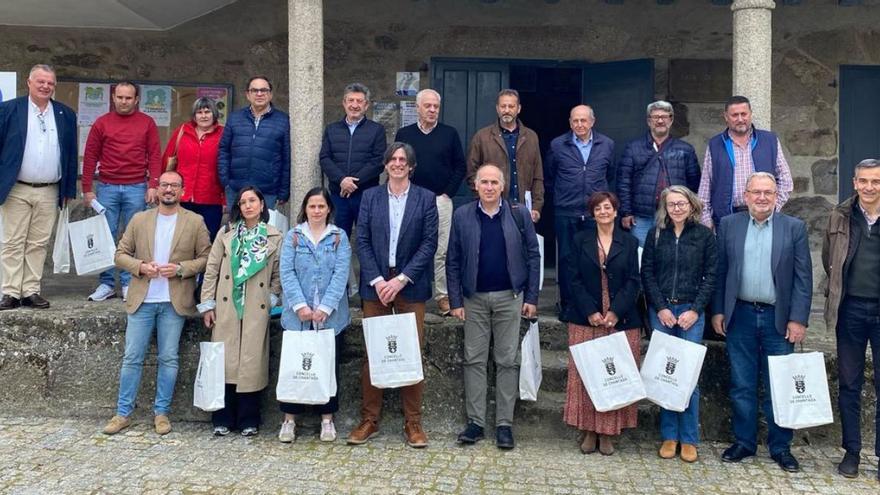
<point>197,163</point>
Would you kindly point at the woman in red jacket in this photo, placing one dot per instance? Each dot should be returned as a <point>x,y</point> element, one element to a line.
<point>195,143</point>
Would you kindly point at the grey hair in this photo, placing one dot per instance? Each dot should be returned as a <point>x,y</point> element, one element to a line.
<point>507,92</point>
<point>662,216</point>
<point>760,175</point>
<point>421,94</point>
<point>867,163</point>
<point>357,87</point>
<point>205,102</point>
<point>42,67</point>
<point>489,164</point>
<point>661,105</point>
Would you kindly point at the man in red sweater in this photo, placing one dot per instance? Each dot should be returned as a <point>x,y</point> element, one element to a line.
<point>123,149</point>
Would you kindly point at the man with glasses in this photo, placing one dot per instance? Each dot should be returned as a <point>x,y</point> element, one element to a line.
<point>255,147</point>
<point>762,305</point>
<point>649,165</point>
<point>125,142</point>
<point>732,156</point>
<point>38,169</point>
<point>164,249</point>
<point>351,155</point>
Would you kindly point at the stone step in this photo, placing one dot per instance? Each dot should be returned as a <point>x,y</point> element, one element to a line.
<point>554,373</point>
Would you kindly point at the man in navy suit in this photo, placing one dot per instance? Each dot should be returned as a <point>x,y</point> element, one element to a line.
<point>762,306</point>
<point>38,171</point>
<point>396,242</point>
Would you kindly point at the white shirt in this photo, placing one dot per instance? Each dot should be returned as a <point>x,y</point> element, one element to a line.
<point>41,161</point>
<point>396,207</point>
<point>158,291</point>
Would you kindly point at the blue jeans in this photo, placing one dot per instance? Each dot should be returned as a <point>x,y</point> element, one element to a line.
<point>346,210</point>
<point>858,323</point>
<point>641,228</point>
<point>751,337</point>
<point>682,426</point>
<point>122,202</point>
<point>566,227</point>
<point>138,334</point>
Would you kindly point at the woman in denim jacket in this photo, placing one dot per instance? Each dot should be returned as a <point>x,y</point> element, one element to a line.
<point>315,259</point>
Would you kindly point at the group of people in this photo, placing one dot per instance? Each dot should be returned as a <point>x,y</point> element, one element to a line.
<point>713,240</point>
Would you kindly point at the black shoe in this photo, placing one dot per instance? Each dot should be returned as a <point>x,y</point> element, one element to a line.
<point>786,461</point>
<point>849,466</point>
<point>736,453</point>
<point>504,437</point>
<point>9,302</point>
<point>36,301</point>
<point>471,435</point>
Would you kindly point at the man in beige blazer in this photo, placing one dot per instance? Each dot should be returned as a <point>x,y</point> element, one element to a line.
<point>164,249</point>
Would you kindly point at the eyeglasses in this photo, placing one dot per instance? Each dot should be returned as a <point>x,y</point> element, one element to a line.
<point>259,91</point>
<point>42,120</point>
<point>170,185</point>
<point>678,205</point>
<point>660,117</point>
<point>762,194</point>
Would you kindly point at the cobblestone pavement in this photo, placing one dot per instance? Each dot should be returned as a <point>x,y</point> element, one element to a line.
<point>72,456</point>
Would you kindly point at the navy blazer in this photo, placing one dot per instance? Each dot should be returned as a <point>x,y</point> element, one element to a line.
<point>416,243</point>
<point>463,253</point>
<point>791,267</point>
<point>573,181</point>
<point>13,133</point>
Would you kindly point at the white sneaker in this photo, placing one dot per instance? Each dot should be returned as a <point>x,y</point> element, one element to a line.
<point>288,432</point>
<point>102,293</point>
<point>124,293</point>
<point>328,431</point>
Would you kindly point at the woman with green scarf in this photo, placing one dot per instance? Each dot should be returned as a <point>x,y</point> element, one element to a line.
<point>240,287</point>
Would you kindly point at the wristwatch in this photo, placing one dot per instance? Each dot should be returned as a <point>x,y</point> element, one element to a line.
<point>401,278</point>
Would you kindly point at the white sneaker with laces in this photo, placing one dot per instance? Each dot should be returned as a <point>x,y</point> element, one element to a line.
<point>328,431</point>
<point>124,293</point>
<point>102,293</point>
<point>288,432</point>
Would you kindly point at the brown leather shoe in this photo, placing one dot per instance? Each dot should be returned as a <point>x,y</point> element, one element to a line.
<point>606,446</point>
<point>117,424</point>
<point>667,449</point>
<point>588,446</point>
<point>162,424</point>
<point>415,435</point>
<point>35,301</point>
<point>688,452</point>
<point>364,431</point>
<point>9,302</point>
<point>443,306</point>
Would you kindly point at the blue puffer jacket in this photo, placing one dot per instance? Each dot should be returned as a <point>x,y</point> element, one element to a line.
<point>640,167</point>
<point>344,154</point>
<point>256,156</point>
<point>315,276</point>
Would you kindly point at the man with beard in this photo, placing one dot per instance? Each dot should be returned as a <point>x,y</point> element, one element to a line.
<point>163,249</point>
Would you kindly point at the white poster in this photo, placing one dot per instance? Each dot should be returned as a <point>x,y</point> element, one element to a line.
<point>407,83</point>
<point>386,114</point>
<point>408,113</point>
<point>94,101</point>
<point>156,102</point>
<point>83,137</point>
<point>7,85</point>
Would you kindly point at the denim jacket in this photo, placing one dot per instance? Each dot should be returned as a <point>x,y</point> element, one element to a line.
<point>315,276</point>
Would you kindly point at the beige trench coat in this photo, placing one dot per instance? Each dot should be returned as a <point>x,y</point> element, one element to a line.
<point>247,340</point>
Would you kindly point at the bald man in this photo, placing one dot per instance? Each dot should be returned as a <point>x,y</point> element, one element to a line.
<point>577,166</point>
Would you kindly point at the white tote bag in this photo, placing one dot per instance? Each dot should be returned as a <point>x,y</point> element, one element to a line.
<point>93,245</point>
<point>307,374</point>
<point>799,390</point>
<point>393,350</point>
<point>609,372</point>
<point>671,370</point>
<point>209,391</point>
<point>530,364</point>
<point>279,221</point>
<point>61,249</point>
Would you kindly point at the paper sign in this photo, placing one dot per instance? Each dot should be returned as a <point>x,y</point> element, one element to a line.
<point>94,101</point>
<point>155,101</point>
<point>408,113</point>
<point>7,85</point>
<point>407,83</point>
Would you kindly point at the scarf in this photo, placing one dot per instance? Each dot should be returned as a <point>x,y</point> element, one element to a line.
<point>250,251</point>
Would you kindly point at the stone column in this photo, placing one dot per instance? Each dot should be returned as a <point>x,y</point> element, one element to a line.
<point>305,45</point>
<point>752,56</point>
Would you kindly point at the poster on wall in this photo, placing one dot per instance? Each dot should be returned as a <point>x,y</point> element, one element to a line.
<point>7,85</point>
<point>408,113</point>
<point>83,132</point>
<point>219,95</point>
<point>94,101</point>
<point>407,83</point>
<point>386,114</point>
<point>156,102</point>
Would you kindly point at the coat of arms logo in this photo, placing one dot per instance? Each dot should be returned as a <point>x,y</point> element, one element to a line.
<point>799,384</point>
<point>670,365</point>
<point>609,366</point>
<point>307,361</point>
<point>392,343</point>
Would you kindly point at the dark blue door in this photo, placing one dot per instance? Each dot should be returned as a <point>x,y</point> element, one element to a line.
<point>859,126</point>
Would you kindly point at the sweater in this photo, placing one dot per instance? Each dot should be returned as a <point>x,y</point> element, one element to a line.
<point>440,164</point>
<point>127,147</point>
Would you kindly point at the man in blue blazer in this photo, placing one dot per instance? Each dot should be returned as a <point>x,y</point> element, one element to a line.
<point>38,171</point>
<point>396,242</point>
<point>762,306</point>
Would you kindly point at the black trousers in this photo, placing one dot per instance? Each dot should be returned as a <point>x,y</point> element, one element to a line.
<point>858,322</point>
<point>328,408</point>
<point>242,410</point>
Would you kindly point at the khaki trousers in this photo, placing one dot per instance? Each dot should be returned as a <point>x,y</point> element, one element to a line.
<point>28,219</point>
<point>444,217</point>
